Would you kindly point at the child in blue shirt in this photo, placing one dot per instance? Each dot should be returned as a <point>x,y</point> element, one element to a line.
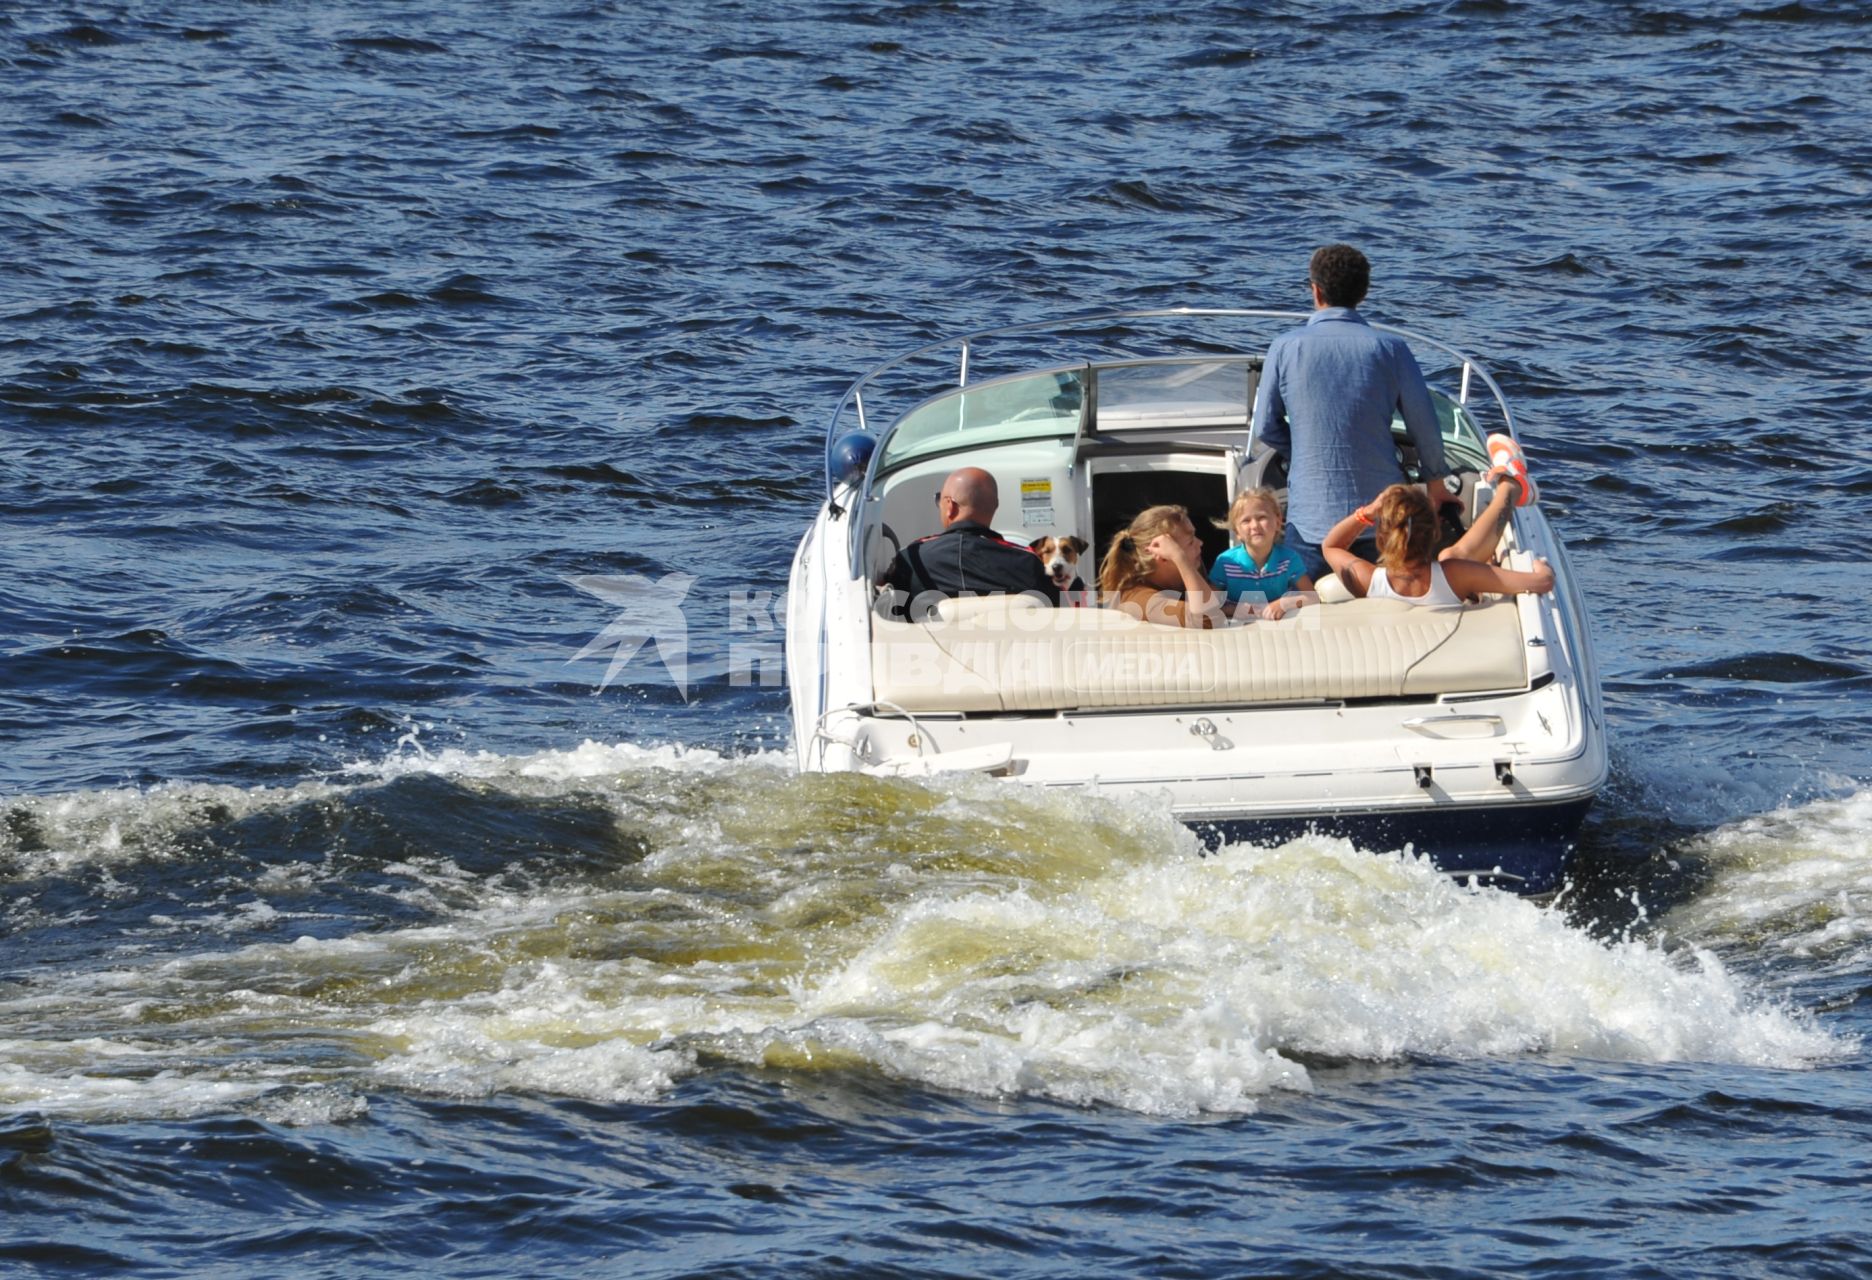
<point>1262,575</point>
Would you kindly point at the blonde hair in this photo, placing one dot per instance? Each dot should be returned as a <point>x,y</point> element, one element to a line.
<point>1247,498</point>
<point>1407,528</point>
<point>1126,563</point>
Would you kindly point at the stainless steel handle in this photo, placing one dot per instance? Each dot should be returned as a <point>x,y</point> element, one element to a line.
<point>1432,726</point>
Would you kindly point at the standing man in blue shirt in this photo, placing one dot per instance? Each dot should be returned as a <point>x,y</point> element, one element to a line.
<point>1328,391</point>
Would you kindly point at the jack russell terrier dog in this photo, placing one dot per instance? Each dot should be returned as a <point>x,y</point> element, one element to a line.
<point>1061,558</point>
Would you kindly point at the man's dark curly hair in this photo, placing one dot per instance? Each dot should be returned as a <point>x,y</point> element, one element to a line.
<point>1342,274</point>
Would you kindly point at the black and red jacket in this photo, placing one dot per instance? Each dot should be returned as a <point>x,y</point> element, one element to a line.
<point>968,559</point>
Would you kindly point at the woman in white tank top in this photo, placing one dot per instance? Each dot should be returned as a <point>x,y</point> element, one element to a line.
<point>1408,567</point>
<point>1439,596</point>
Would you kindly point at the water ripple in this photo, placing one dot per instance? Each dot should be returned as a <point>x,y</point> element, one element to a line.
<point>337,341</point>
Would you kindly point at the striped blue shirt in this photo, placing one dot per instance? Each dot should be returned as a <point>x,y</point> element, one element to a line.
<point>1236,572</point>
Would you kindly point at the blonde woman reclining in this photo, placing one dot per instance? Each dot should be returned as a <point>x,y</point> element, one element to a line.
<point>1153,570</point>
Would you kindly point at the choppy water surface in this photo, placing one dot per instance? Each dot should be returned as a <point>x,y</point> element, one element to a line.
<point>347,929</point>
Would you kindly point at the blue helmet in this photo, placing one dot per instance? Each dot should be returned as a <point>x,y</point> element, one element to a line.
<point>850,456</point>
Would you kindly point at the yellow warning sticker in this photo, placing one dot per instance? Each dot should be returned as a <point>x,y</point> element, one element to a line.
<point>1036,502</point>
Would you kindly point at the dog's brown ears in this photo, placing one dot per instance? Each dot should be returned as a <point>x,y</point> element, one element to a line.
<point>1035,544</point>
<point>1077,543</point>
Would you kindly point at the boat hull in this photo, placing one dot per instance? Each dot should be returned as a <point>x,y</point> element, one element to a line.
<point>1524,848</point>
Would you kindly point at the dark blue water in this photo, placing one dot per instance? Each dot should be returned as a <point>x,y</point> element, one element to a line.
<point>348,927</point>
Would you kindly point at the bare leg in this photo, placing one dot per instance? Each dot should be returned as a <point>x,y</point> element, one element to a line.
<point>1482,537</point>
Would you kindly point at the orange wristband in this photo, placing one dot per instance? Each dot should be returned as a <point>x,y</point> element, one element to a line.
<point>1363,519</point>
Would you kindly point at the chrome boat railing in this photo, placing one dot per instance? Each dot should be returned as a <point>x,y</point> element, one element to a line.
<point>852,402</point>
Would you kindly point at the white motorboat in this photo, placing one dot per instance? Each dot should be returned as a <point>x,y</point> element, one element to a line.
<point>1475,736</point>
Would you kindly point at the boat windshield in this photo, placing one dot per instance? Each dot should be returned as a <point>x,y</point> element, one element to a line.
<point>1028,406</point>
<point>1462,437</point>
<point>1175,392</point>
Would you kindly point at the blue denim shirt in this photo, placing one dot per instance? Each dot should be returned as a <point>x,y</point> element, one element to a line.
<point>1328,390</point>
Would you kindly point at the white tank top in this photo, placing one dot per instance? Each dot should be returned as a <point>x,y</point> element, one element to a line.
<point>1439,596</point>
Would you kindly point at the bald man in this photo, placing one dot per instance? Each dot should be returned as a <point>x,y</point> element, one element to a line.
<point>968,557</point>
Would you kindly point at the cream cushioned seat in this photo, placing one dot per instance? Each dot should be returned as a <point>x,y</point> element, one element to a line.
<point>1013,653</point>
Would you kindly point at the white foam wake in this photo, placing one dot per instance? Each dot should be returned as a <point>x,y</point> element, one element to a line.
<point>64,832</point>
<point>1188,984</point>
<point>1795,882</point>
<point>968,935</point>
<point>587,760</point>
